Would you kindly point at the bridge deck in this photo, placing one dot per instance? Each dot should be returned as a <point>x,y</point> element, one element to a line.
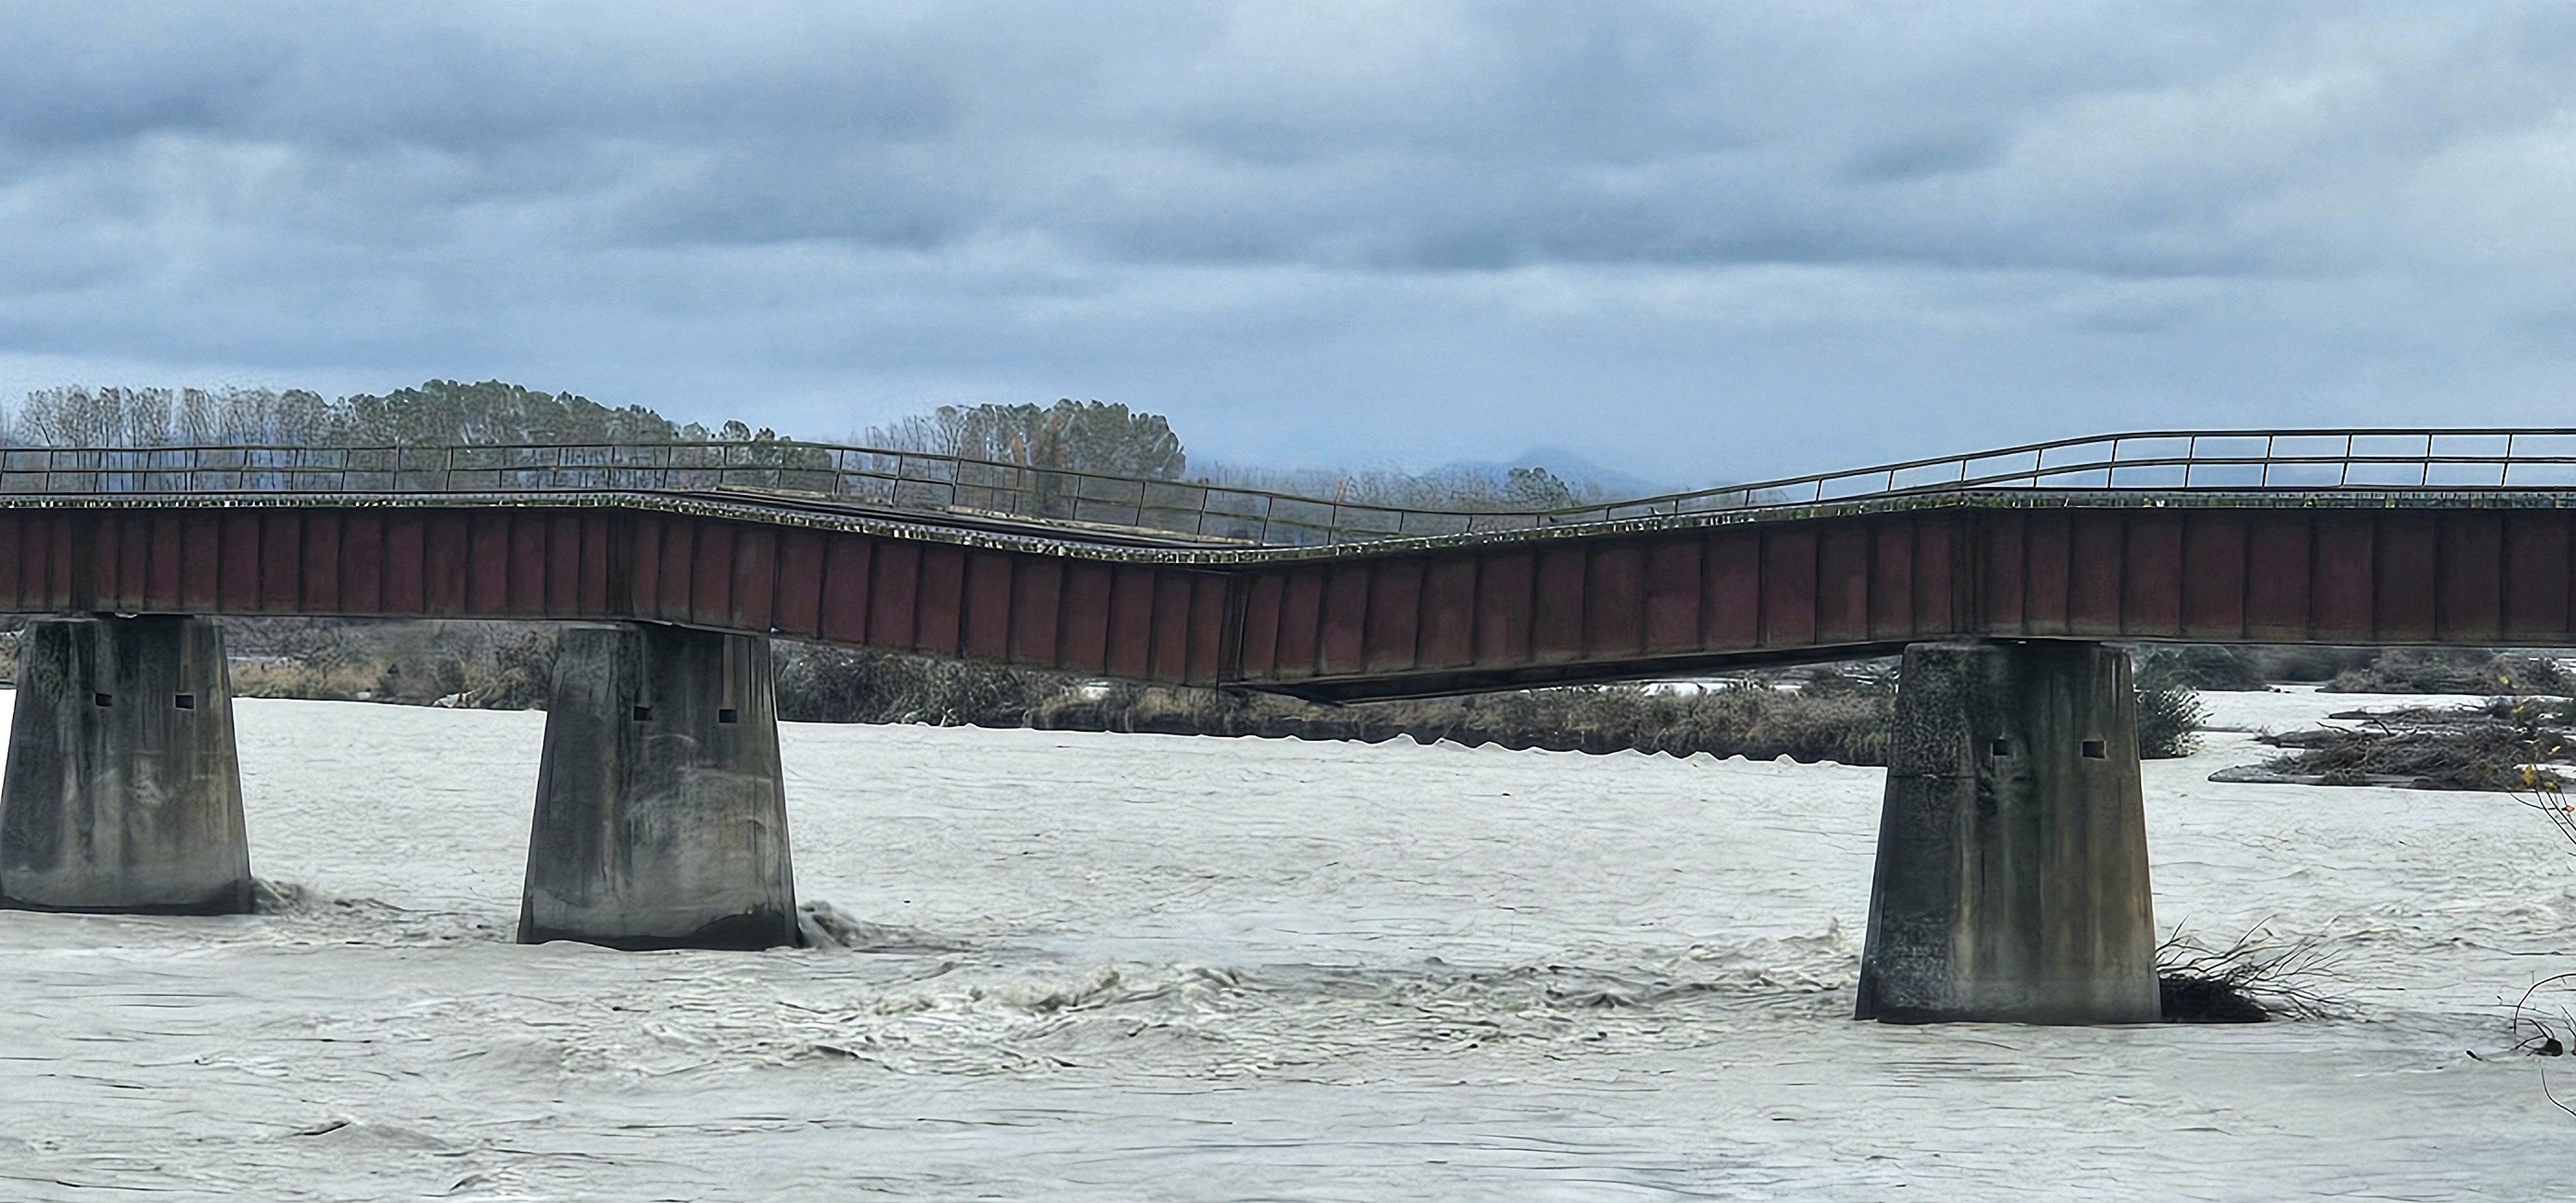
<point>2334,537</point>
<point>1599,601</point>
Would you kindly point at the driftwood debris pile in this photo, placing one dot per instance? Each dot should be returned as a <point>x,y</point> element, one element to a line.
<point>2507,745</point>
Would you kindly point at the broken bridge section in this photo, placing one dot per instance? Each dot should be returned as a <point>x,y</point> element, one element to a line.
<point>1399,618</point>
<point>2012,882</point>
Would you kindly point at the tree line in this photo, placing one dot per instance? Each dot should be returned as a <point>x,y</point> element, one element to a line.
<point>437,413</point>
<point>1080,436</point>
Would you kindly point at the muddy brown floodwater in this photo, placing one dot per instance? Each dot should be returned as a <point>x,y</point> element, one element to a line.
<point>1105,967</point>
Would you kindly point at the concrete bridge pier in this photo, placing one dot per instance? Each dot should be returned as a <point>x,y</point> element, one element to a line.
<point>661,819</point>
<point>123,792</point>
<point>2012,848</point>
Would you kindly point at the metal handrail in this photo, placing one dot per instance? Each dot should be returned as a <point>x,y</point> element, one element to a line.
<point>2166,460</point>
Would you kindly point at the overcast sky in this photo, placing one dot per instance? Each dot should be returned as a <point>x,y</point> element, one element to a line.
<point>1693,241</point>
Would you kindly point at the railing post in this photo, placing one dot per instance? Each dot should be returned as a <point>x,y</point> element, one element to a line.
<point>2269,441</point>
<point>2504,475</point>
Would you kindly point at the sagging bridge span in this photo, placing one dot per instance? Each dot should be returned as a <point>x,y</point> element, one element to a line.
<point>2012,880</point>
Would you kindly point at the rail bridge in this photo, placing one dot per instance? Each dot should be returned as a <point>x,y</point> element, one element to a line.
<point>2012,872</point>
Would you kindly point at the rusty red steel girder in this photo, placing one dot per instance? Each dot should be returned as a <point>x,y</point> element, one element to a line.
<point>1622,600</point>
<point>1837,585</point>
<point>1135,620</point>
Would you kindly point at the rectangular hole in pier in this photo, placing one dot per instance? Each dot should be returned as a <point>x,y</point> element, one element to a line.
<point>2003,747</point>
<point>104,699</point>
<point>2095,750</point>
<point>187,701</point>
<point>728,715</point>
<point>643,713</point>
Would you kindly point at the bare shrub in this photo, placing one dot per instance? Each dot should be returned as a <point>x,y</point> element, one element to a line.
<point>320,682</point>
<point>2199,666</point>
<point>2256,977</point>
<point>2454,670</point>
<point>523,672</point>
<point>2544,1019</point>
<point>841,685</point>
<point>2299,662</point>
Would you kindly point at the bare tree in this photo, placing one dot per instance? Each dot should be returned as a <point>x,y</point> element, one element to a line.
<point>1083,436</point>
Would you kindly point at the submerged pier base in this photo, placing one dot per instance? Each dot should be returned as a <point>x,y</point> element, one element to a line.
<point>2012,846</point>
<point>661,820</point>
<point>123,792</point>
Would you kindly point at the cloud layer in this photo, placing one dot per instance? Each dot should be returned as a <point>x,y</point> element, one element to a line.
<point>1696,240</point>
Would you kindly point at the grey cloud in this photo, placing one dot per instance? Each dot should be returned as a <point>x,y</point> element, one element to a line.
<point>1500,137</point>
<point>1235,211</point>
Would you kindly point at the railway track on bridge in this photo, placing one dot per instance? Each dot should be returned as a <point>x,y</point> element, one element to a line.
<point>1156,512</point>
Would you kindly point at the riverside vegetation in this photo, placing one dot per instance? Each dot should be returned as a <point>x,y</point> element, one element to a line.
<point>1834,713</point>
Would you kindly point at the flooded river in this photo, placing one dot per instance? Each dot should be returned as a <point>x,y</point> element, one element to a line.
<point>1102,967</point>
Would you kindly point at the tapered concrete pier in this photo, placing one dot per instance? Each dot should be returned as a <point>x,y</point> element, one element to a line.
<point>123,791</point>
<point>2012,846</point>
<point>661,821</point>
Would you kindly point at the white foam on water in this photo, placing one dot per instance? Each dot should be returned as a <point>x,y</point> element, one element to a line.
<point>1086,966</point>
